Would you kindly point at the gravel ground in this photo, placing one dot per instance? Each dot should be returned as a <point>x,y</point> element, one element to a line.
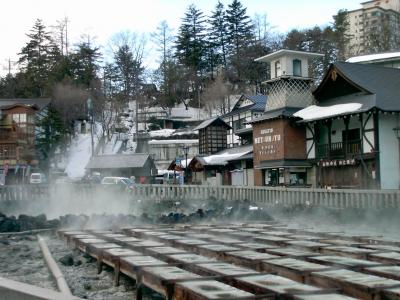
<point>21,260</point>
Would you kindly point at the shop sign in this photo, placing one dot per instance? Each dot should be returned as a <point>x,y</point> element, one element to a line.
<point>268,140</point>
<point>337,162</point>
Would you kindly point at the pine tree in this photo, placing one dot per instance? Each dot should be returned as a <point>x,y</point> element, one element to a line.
<point>37,60</point>
<point>129,71</point>
<point>240,33</point>
<point>53,132</point>
<point>218,33</point>
<point>85,63</point>
<point>190,46</point>
<point>240,36</point>
<point>342,38</point>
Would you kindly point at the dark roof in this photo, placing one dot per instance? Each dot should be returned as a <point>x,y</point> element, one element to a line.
<point>284,112</point>
<point>118,161</point>
<point>284,163</point>
<point>40,103</point>
<point>381,82</point>
<point>213,121</point>
<point>259,102</point>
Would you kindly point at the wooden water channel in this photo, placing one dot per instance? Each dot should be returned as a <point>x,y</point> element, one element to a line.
<point>215,261</point>
<point>261,196</point>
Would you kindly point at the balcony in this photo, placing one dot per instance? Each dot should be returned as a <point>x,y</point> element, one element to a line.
<point>339,150</point>
<point>7,135</point>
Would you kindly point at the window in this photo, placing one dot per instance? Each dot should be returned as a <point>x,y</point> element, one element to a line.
<point>297,67</point>
<point>278,71</point>
<point>19,118</point>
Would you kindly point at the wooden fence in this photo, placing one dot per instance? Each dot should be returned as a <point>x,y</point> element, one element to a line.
<point>261,196</point>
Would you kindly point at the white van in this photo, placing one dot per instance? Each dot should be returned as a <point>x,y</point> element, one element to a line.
<point>37,178</point>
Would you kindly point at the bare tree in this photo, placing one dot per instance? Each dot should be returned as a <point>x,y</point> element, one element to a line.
<point>216,96</point>
<point>70,102</point>
<point>60,35</point>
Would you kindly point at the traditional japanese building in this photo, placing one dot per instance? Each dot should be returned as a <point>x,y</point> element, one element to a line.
<point>19,132</point>
<point>279,143</point>
<point>353,134</point>
<point>246,109</point>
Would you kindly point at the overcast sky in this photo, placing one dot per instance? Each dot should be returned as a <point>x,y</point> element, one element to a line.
<point>102,19</point>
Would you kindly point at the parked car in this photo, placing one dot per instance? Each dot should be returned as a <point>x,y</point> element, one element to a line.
<point>122,183</point>
<point>37,178</point>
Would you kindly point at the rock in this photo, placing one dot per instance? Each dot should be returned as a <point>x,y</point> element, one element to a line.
<point>9,224</point>
<point>87,286</point>
<point>67,260</point>
<point>77,263</point>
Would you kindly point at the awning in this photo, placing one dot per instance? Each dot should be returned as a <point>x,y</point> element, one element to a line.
<point>284,163</point>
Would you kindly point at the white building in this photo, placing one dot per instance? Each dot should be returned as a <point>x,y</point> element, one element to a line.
<point>374,27</point>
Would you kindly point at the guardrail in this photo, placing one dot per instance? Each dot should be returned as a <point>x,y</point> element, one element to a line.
<point>267,196</point>
<point>262,196</point>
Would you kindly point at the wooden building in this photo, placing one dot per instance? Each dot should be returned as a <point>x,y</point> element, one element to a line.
<point>279,143</point>
<point>18,134</point>
<point>246,109</point>
<point>212,136</point>
<point>353,134</point>
<point>124,165</point>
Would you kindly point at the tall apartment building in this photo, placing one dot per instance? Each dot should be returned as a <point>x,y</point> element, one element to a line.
<point>375,27</point>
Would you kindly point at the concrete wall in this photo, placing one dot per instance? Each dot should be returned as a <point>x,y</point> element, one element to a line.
<point>389,151</point>
<point>287,65</point>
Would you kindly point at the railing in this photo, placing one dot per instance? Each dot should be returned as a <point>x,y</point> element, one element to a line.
<point>260,196</point>
<point>339,149</point>
<point>266,196</point>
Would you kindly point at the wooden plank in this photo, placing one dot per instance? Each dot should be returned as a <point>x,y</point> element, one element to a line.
<point>354,284</point>
<point>280,287</point>
<point>295,269</point>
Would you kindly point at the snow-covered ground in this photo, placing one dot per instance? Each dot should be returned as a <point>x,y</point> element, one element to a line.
<point>79,155</point>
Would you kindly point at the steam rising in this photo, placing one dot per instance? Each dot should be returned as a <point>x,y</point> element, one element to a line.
<point>100,208</point>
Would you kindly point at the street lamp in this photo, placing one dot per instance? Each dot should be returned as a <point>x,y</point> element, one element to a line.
<point>185,151</point>
<point>90,114</point>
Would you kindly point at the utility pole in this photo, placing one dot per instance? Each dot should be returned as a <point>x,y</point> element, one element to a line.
<point>185,151</point>
<point>90,114</point>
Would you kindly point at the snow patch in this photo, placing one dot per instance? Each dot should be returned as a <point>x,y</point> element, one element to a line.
<point>318,112</point>
<point>79,155</point>
<point>372,57</point>
<point>161,133</point>
<point>166,142</point>
<point>222,159</point>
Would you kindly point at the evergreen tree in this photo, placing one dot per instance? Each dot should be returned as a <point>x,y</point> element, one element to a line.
<point>240,29</point>
<point>218,33</point>
<point>37,59</point>
<point>85,63</point>
<point>240,36</point>
<point>53,132</point>
<point>129,72</point>
<point>190,46</point>
<point>341,36</point>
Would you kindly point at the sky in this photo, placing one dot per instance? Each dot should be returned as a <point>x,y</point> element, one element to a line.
<point>101,19</point>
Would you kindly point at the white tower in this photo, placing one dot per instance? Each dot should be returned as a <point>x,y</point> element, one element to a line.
<point>289,85</point>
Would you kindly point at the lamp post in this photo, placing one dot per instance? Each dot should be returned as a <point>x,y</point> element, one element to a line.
<point>90,114</point>
<point>185,151</point>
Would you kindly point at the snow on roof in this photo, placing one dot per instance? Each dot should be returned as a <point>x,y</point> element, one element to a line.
<point>165,142</point>
<point>191,113</point>
<point>314,112</point>
<point>222,157</point>
<point>161,133</point>
<point>373,57</point>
